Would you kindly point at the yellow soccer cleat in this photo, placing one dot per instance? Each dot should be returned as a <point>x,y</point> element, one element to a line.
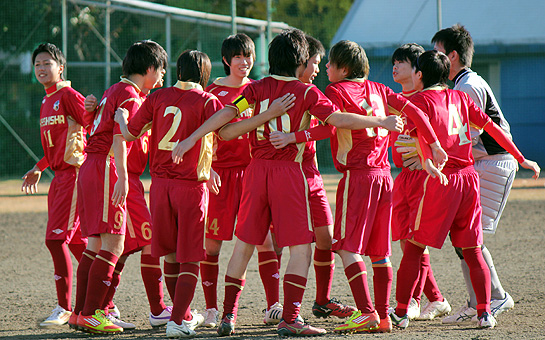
<point>359,322</point>
<point>98,323</point>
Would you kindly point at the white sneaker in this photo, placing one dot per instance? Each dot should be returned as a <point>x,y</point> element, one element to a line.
<point>273,315</point>
<point>210,317</point>
<point>435,309</point>
<point>413,311</point>
<point>187,328</point>
<point>120,323</point>
<point>59,316</point>
<point>161,319</point>
<point>487,320</point>
<point>499,306</point>
<point>399,322</point>
<point>115,312</point>
<point>464,314</point>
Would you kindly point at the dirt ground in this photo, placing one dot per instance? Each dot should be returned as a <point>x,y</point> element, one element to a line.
<point>27,290</point>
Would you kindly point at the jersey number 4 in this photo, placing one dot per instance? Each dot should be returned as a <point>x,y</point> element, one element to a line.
<point>455,126</point>
<point>375,109</point>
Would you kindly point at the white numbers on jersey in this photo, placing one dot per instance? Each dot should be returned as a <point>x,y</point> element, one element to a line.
<point>376,109</point>
<point>165,143</point>
<point>98,118</point>
<point>47,135</point>
<point>273,126</point>
<point>455,126</point>
<point>145,142</point>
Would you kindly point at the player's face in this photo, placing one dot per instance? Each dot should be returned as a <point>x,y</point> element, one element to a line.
<point>334,73</point>
<point>439,47</point>
<point>312,70</point>
<point>155,77</point>
<point>47,70</point>
<point>241,66</point>
<point>401,72</point>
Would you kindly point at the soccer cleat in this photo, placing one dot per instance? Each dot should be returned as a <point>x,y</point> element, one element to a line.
<point>98,323</point>
<point>210,317</point>
<point>59,316</point>
<point>399,322</point>
<point>333,307</point>
<point>273,315</point>
<point>73,321</point>
<point>413,311</point>
<point>298,328</point>
<point>464,314</point>
<point>125,325</point>
<point>359,322</point>
<point>161,319</point>
<point>435,309</point>
<point>486,320</point>
<point>385,326</point>
<point>227,325</point>
<point>499,306</point>
<point>115,312</point>
<point>186,329</point>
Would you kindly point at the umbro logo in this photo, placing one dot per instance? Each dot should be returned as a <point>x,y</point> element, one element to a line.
<point>333,241</point>
<point>207,283</point>
<point>276,276</point>
<point>57,277</point>
<point>221,94</point>
<point>107,283</point>
<point>57,231</point>
<point>297,304</point>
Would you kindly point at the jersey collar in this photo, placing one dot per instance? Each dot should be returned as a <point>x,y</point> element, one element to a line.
<point>357,80</point>
<point>187,85</point>
<point>59,85</point>
<point>130,82</point>
<point>218,82</point>
<point>435,87</point>
<point>283,78</point>
<point>460,74</point>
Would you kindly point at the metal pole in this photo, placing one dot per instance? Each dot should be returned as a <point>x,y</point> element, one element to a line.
<point>439,16</point>
<point>233,16</point>
<point>168,48</point>
<point>65,36</point>
<point>269,21</point>
<point>107,38</point>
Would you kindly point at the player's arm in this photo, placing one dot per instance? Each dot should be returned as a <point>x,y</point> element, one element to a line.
<point>214,182</point>
<point>278,107</point>
<point>499,136</point>
<point>90,103</point>
<point>425,151</point>
<point>352,121</point>
<point>32,177</point>
<point>122,118</point>
<point>121,187</point>
<point>280,139</point>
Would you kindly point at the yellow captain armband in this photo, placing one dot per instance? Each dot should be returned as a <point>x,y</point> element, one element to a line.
<point>241,104</point>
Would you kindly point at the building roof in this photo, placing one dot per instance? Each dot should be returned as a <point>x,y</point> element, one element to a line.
<point>381,23</point>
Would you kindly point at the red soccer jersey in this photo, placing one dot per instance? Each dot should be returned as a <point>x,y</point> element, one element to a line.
<point>396,156</point>
<point>137,157</point>
<point>451,113</point>
<point>309,101</point>
<point>236,152</point>
<point>368,149</point>
<point>125,94</point>
<point>175,112</point>
<point>62,121</point>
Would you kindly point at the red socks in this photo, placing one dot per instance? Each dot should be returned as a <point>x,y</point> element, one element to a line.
<point>268,271</point>
<point>431,289</point>
<point>294,289</point>
<point>100,279</point>
<point>209,278</point>
<point>233,289</point>
<point>77,249</point>
<point>185,288</point>
<point>407,276</point>
<point>150,269</point>
<point>324,265</point>
<point>480,278</point>
<point>116,278</point>
<point>383,276</point>
<point>357,279</point>
<point>171,272</point>
<point>82,276</point>
<point>62,262</point>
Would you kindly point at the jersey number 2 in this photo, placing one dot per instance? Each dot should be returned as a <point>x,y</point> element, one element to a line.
<point>165,143</point>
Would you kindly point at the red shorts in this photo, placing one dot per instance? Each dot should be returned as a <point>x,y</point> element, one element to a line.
<point>97,178</point>
<point>363,212</point>
<point>138,217</point>
<point>319,205</point>
<point>63,219</point>
<point>275,191</point>
<point>178,210</point>
<point>406,195</point>
<point>454,208</point>
<point>223,207</point>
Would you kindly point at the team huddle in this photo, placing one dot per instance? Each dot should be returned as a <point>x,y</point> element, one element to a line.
<point>238,157</point>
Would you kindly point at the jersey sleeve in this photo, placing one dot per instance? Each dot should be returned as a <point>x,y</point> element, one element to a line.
<point>132,104</point>
<point>414,113</point>
<point>321,106</point>
<point>75,108</point>
<point>139,123</point>
<point>316,133</point>
<point>212,105</point>
<point>245,100</point>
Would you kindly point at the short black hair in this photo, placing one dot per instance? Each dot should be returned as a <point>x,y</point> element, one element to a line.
<point>238,44</point>
<point>435,68</point>
<point>53,50</point>
<point>348,54</point>
<point>288,51</point>
<point>456,38</point>
<point>407,52</point>
<point>142,55</point>
<point>315,47</point>
<point>194,66</point>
